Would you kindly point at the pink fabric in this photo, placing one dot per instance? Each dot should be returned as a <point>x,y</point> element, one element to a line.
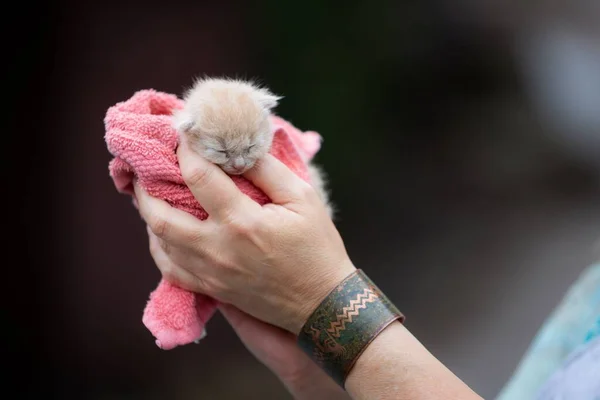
<point>140,137</point>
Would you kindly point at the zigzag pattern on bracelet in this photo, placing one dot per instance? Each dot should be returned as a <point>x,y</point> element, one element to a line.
<point>352,310</point>
<point>345,322</point>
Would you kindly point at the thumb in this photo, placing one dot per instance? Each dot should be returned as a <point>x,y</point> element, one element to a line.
<point>277,181</point>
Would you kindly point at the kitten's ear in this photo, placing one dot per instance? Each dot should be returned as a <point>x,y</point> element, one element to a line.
<point>268,100</point>
<point>182,121</point>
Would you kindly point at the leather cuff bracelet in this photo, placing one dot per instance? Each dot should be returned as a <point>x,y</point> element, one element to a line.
<point>345,323</point>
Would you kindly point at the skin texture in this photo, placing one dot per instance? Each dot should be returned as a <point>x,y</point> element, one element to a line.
<point>277,350</point>
<point>396,366</point>
<point>275,262</point>
<point>274,347</point>
<point>272,265</point>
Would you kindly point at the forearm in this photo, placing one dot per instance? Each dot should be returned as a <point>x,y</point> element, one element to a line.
<point>397,366</point>
<point>314,384</point>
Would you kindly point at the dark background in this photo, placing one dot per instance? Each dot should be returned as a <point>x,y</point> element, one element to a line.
<point>466,191</point>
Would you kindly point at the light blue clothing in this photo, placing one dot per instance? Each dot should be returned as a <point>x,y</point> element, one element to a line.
<point>594,332</point>
<point>578,378</point>
<point>576,321</point>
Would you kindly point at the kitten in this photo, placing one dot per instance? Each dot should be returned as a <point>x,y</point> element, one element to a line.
<point>228,122</point>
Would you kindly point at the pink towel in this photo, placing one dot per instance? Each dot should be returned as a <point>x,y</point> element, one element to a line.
<point>140,137</point>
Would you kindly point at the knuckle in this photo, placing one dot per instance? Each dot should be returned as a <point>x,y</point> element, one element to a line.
<point>306,191</point>
<point>241,227</point>
<point>168,272</point>
<point>198,176</point>
<point>166,247</point>
<point>193,238</point>
<point>223,266</point>
<point>158,225</point>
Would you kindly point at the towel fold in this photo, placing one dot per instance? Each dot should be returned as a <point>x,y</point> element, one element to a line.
<point>140,136</point>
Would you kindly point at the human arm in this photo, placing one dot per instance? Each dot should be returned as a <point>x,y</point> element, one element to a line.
<point>277,350</point>
<point>277,262</point>
<point>274,347</point>
<point>397,366</point>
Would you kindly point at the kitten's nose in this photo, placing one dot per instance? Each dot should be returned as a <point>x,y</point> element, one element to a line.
<point>238,163</point>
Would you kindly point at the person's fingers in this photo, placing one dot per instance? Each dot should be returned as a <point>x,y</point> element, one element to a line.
<point>273,346</point>
<point>251,330</point>
<point>187,257</point>
<point>278,182</point>
<point>168,222</point>
<point>234,316</point>
<point>170,271</point>
<point>212,187</point>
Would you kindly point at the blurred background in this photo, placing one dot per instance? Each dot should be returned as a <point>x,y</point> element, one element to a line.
<point>462,141</point>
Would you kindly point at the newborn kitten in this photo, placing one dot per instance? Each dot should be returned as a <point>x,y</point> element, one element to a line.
<point>228,122</point>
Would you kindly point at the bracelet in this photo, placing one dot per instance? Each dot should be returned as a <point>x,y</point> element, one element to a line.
<point>345,323</point>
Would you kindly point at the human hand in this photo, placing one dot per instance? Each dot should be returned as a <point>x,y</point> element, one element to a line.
<point>274,347</point>
<point>277,350</point>
<point>275,262</point>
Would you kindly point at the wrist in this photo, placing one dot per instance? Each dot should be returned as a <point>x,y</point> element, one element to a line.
<point>311,383</point>
<point>320,287</point>
<point>345,322</point>
<point>370,361</point>
<point>396,365</point>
